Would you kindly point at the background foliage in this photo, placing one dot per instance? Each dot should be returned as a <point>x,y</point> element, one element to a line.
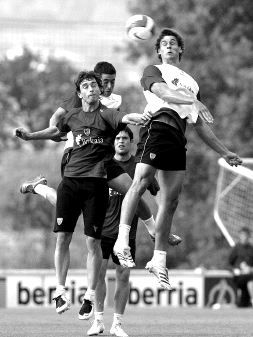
<point>218,54</point>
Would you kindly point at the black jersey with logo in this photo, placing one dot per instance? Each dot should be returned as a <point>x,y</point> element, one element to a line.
<point>94,134</point>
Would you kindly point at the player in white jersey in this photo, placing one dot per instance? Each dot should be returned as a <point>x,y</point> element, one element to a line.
<point>173,99</point>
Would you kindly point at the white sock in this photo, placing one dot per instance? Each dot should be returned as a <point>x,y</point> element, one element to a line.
<point>117,318</point>
<point>150,225</point>
<point>99,316</point>
<point>90,294</point>
<point>60,289</point>
<point>123,236</point>
<point>47,193</point>
<point>159,258</point>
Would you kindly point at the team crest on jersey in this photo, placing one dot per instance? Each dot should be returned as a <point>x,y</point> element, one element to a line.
<point>175,81</point>
<point>152,155</point>
<point>59,221</point>
<point>86,131</point>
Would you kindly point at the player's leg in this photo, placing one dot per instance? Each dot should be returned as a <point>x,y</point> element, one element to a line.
<point>121,293</point>
<point>143,176</point>
<point>170,188</point>
<point>94,198</point>
<point>100,294</point>
<point>67,213</point>
<point>250,289</point>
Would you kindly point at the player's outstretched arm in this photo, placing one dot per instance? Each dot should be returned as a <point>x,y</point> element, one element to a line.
<point>207,135</point>
<point>135,119</point>
<point>49,133</point>
<point>171,96</point>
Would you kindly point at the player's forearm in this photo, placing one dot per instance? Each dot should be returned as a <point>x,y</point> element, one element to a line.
<point>133,118</point>
<point>207,135</point>
<point>47,133</point>
<point>171,96</point>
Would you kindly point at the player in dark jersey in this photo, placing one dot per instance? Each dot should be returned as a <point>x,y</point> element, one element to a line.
<point>172,97</point>
<point>123,157</point>
<point>84,185</point>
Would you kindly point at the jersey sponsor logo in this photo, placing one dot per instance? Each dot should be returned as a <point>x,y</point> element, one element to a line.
<point>112,192</point>
<point>81,140</point>
<point>86,131</point>
<point>59,221</point>
<point>152,156</point>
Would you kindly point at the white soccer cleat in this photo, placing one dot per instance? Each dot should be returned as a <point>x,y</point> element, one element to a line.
<point>124,256</point>
<point>116,330</point>
<point>161,273</point>
<point>96,328</point>
<point>62,303</point>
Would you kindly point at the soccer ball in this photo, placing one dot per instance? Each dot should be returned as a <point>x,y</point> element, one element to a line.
<point>140,27</point>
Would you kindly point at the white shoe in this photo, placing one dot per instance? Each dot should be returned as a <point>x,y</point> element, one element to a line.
<point>161,273</point>
<point>117,330</point>
<point>62,303</point>
<point>96,328</point>
<point>124,256</point>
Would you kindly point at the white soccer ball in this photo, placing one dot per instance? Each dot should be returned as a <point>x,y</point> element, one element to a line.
<point>140,27</point>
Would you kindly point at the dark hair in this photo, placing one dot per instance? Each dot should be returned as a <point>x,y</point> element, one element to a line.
<point>88,75</point>
<point>104,68</point>
<point>170,32</point>
<point>127,130</point>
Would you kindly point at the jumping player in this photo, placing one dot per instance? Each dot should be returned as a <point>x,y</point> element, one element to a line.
<point>173,99</point>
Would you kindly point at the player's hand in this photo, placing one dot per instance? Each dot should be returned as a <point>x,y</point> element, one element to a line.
<point>146,117</point>
<point>204,113</point>
<point>232,159</point>
<point>21,133</point>
<point>61,137</point>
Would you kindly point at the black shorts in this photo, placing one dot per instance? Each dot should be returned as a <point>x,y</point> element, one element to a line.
<point>86,195</point>
<point>162,146</point>
<point>113,170</point>
<point>107,248</point>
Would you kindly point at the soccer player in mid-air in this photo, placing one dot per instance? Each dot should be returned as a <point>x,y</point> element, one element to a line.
<point>84,185</point>
<point>173,101</point>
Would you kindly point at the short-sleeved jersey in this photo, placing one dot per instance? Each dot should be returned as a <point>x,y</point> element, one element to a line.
<point>177,80</point>
<point>93,134</point>
<point>112,218</point>
<point>113,102</point>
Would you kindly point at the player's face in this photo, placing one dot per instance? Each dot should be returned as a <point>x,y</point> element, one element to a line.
<point>108,82</point>
<point>122,143</point>
<point>169,49</point>
<point>89,91</point>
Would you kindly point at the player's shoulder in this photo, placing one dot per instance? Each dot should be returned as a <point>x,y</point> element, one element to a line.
<point>72,112</point>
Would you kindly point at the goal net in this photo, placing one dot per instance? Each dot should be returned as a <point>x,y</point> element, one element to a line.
<point>233,208</point>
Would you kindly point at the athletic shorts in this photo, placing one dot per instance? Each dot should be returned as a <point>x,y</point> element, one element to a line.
<point>107,248</point>
<point>113,168</point>
<point>162,146</point>
<point>86,195</point>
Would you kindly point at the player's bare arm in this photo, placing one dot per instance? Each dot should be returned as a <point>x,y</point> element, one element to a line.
<point>207,135</point>
<point>162,91</point>
<point>135,119</point>
<point>51,132</point>
<point>57,116</point>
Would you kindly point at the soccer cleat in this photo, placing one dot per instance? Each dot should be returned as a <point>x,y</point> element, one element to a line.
<point>86,310</point>
<point>96,328</point>
<point>173,239</point>
<point>161,273</point>
<point>62,303</point>
<point>124,256</point>
<point>29,186</point>
<point>116,330</point>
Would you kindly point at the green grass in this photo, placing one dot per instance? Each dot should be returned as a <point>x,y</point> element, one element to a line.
<point>151,322</point>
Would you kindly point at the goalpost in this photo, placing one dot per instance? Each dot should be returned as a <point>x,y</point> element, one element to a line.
<point>233,208</point>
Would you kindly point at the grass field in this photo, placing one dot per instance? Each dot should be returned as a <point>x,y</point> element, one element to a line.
<point>151,322</point>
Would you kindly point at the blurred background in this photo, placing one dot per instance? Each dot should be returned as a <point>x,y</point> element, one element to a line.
<point>45,43</point>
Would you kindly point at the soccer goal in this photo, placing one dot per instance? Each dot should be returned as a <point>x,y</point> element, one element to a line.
<point>233,208</point>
